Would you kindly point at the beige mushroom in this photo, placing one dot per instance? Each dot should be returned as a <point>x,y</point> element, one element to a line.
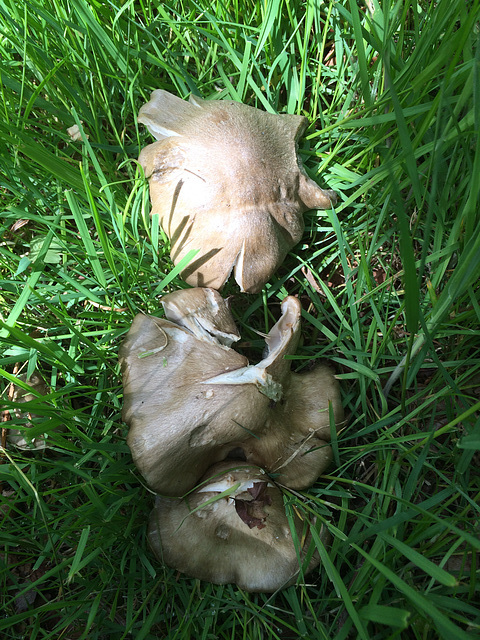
<point>226,179</point>
<point>233,529</point>
<point>192,401</point>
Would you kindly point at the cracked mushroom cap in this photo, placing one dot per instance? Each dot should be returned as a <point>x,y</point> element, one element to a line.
<point>225,178</point>
<point>232,529</point>
<point>192,401</point>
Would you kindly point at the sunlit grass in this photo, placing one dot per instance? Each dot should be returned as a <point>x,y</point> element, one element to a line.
<point>388,283</point>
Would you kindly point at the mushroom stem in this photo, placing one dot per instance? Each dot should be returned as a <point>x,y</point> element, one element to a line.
<point>251,374</point>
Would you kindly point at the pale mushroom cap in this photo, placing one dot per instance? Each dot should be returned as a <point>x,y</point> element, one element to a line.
<point>190,400</point>
<point>238,538</point>
<point>202,311</point>
<point>225,178</point>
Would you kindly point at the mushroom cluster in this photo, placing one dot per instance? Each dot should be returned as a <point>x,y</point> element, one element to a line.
<point>192,402</point>
<point>214,436</point>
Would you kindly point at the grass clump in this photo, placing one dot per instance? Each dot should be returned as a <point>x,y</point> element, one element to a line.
<point>389,283</point>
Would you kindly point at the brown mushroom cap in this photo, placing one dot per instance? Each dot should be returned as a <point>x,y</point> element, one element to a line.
<point>232,529</point>
<point>296,438</point>
<point>225,178</point>
<point>190,400</point>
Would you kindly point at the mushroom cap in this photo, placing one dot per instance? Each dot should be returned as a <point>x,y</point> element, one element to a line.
<point>191,401</point>
<point>232,529</point>
<point>225,178</point>
<point>204,313</point>
<point>297,434</point>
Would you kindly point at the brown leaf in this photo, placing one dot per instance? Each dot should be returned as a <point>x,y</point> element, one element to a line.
<point>259,492</point>
<point>252,511</point>
<point>24,600</point>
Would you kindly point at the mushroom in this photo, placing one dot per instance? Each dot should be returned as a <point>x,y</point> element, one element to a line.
<point>233,529</point>
<point>191,401</point>
<point>226,179</point>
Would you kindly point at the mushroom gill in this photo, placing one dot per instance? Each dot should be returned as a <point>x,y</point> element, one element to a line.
<point>226,179</point>
<point>233,528</point>
<point>190,400</point>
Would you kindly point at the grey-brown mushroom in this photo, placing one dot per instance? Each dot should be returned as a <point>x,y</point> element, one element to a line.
<point>226,179</point>
<point>233,529</point>
<point>191,401</point>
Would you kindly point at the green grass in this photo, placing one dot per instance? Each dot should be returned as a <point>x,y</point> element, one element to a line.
<point>389,284</point>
